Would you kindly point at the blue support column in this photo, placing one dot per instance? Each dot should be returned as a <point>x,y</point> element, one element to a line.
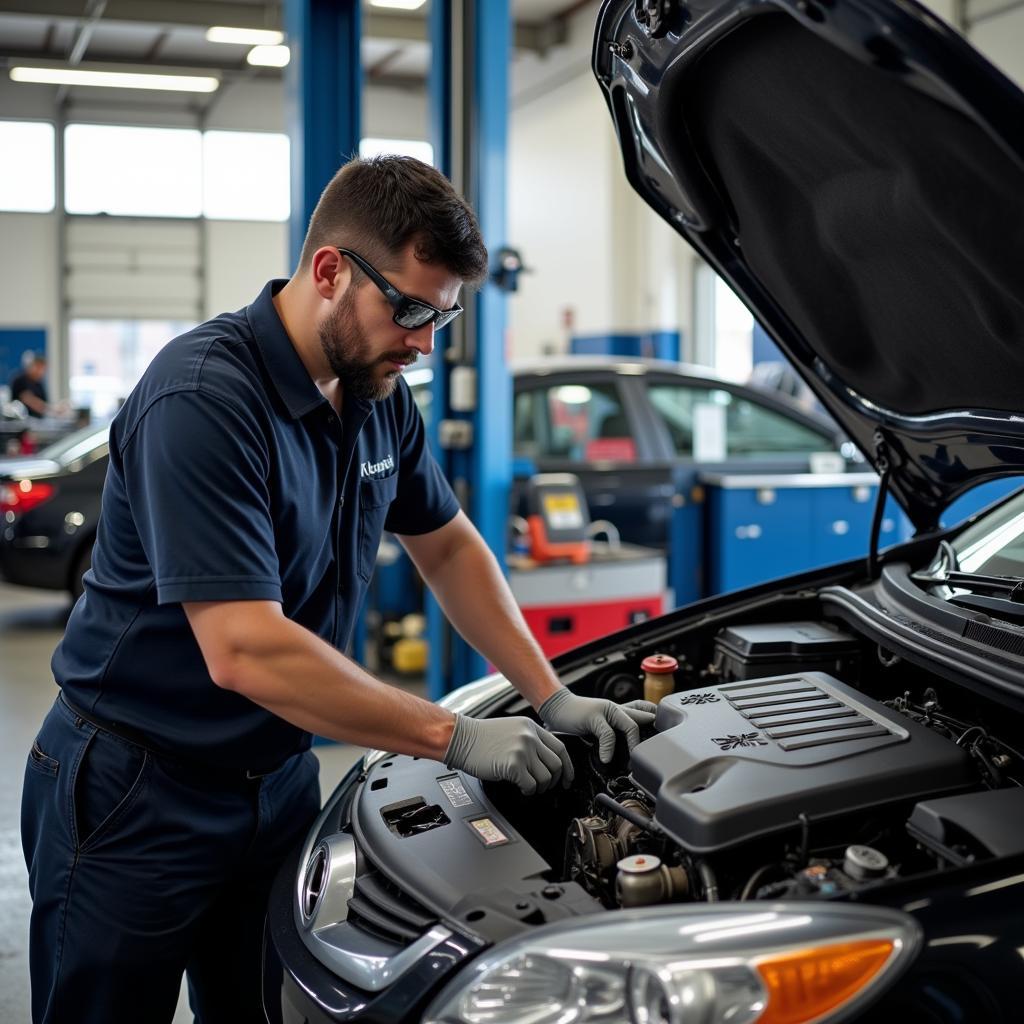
<point>439,85</point>
<point>492,449</point>
<point>471,42</point>
<point>323,82</point>
<point>439,88</point>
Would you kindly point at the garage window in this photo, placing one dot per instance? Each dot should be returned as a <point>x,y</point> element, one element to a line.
<point>27,173</point>
<point>573,423</point>
<point>748,430</point>
<point>245,176</point>
<point>109,356</point>
<point>143,172</point>
<point>130,171</point>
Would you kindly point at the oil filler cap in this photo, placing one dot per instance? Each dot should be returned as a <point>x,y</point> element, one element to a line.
<point>864,862</point>
<point>659,664</point>
<point>639,864</point>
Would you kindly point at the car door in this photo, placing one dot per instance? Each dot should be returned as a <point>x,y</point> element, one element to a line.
<point>728,428</point>
<point>716,428</point>
<point>591,423</point>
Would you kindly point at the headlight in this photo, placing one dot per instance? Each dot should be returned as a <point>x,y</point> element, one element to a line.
<point>731,964</point>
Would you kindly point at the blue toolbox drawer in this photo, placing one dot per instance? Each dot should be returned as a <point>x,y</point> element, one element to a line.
<point>761,527</point>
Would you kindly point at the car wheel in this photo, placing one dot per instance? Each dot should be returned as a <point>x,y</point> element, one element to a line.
<point>79,569</point>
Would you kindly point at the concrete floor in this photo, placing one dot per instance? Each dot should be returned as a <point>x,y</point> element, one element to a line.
<point>31,623</point>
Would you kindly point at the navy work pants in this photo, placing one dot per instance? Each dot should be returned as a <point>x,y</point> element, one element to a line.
<point>141,870</point>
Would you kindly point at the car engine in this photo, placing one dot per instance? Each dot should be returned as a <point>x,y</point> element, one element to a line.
<point>830,788</point>
<point>792,760</point>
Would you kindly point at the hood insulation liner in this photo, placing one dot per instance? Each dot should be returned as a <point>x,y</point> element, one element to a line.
<point>886,223</point>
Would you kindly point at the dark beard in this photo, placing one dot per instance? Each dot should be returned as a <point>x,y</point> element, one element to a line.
<point>346,349</point>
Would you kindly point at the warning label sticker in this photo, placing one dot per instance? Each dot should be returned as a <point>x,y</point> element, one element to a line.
<point>455,791</point>
<point>488,832</point>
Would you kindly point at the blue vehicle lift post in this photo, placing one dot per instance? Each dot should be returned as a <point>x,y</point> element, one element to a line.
<point>468,82</point>
<point>323,97</point>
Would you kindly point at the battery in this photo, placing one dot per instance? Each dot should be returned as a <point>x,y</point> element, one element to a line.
<point>775,648</point>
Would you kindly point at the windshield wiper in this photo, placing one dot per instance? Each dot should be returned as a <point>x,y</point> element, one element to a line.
<point>1012,587</point>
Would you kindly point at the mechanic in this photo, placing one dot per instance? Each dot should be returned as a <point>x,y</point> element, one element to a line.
<point>28,386</point>
<point>252,471</point>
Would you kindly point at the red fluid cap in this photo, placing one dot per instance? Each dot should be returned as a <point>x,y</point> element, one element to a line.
<point>660,664</point>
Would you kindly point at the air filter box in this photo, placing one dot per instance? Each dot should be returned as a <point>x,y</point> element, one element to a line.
<point>775,648</point>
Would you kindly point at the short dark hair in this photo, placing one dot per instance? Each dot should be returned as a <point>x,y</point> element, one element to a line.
<point>380,205</point>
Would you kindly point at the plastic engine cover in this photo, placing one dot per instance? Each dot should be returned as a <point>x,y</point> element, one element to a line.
<point>745,759</point>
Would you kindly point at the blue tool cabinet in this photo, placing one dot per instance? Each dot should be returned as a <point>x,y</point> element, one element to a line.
<point>761,527</point>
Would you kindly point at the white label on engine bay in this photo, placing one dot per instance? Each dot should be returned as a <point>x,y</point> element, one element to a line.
<point>489,833</point>
<point>455,791</point>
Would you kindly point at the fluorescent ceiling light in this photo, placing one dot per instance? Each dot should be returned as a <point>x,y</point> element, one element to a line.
<point>269,56</point>
<point>399,5</point>
<point>244,36</point>
<point>114,79</point>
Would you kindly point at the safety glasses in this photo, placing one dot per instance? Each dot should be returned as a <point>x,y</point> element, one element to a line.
<point>410,313</point>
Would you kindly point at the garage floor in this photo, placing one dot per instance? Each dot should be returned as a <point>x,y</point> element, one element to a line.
<point>31,623</point>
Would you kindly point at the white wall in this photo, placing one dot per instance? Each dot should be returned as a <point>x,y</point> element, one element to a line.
<point>559,213</point>
<point>28,271</point>
<point>241,256</point>
<point>595,247</point>
<point>395,113</point>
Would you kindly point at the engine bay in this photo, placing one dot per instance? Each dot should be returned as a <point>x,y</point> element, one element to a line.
<point>792,758</point>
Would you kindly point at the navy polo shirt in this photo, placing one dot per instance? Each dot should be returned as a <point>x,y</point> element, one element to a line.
<point>231,477</point>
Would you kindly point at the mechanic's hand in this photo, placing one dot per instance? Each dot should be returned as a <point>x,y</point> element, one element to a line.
<point>509,750</point>
<point>591,716</point>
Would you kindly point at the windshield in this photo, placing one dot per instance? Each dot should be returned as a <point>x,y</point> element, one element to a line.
<point>75,445</point>
<point>995,544</point>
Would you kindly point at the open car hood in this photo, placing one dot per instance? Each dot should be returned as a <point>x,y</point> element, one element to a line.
<point>853,169</point>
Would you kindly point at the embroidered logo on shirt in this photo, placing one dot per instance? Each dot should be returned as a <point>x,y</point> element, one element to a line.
<point>373,468</point>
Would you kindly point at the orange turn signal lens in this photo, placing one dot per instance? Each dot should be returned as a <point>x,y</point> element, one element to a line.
<point>805,984</point>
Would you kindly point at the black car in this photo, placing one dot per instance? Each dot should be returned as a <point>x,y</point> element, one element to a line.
<point>630,429</point>
<point>49,508</point>
<point>826,821</point>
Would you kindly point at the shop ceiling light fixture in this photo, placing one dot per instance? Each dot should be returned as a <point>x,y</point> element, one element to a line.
<point>269,56</point>
<point>244,36</point>
<point>113,79</point>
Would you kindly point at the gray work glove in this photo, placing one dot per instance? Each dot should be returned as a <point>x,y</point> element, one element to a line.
<point>509,750</point>
<point>591,716</point>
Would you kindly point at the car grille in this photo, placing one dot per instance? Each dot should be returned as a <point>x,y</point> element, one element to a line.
<point>379,907</point>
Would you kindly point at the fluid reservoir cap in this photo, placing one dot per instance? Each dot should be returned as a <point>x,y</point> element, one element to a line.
<point>863,862</point>
<point>659,664</point>
<point>639,864</point>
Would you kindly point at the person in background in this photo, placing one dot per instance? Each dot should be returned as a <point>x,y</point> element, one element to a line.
<point>28,387</point>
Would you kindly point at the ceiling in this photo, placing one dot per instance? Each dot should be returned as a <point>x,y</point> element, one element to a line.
<point>171,33</point>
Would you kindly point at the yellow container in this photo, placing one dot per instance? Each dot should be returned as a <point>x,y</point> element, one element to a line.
<point>409,655</point>
<point>659,676</point>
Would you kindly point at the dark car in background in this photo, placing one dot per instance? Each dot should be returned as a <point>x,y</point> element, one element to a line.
<point>49,508</point>
<point>825,822</point>
<point>631,430</point>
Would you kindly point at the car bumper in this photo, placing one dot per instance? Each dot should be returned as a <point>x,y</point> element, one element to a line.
<point>32,567</point>
<point>299,989</point>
